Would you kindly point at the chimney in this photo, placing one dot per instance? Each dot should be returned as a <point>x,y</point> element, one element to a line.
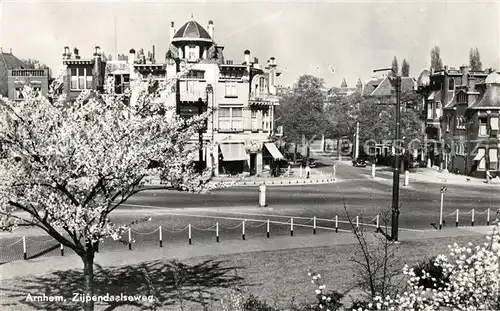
<point>10,51</point>
<point>172,30</point>
<point>210,29</point>
<point>131,56</point>
<point>272,61</point>
<point>75,53</point>
<point>153,55</point>
<point>66,54</point>
<point>255,60</point>
<point>247,57</point>
<point>97,51</point>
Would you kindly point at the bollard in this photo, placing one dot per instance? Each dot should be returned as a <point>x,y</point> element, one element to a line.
<point>300,171</point>
<point>456,220</point>
<point>488,217</point>
<point>161,237</point>
<point>243,230</point>
<point>289,170</point>
<point>189,234</point>
<point>217,232</point>
<point>407,178</point>
<point>314,225</point>
<point>373,170</point>
<point>334,170</point>
<point>357,222</point>
<point>378,223</point>
<point>129,239</point>
<point>268,235</point>
<point>472,221</point>
<point>336,223</point>
<point>443,189</point>
<point>291,226</point>
<point>262,195</point>
<point>25,256</point>
<point>62,250</point>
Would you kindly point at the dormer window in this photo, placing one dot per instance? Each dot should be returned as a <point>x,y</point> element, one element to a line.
<point>451,85</point>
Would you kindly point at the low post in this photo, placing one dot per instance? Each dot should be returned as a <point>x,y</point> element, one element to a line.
<point>373,170</point>
<point>268,234</point>
<point>314,225</point>
<point>488,216</point>
<point>289,170</point>
<point>336,223</point>
<point>378,223</point>
<point>291,226</point>
<point>129,239</point>
<point>472,220</point>
<point>62,249</point>
<point>161,236</point>
<point>189,234</point>
<point>25,255</point>
<point>357,222</point>
<point>334,170</point>
<point>217,232</point>
<point>243,230</point>
<point>262,195</point>
<point>443,189</point>
<point>300,171</point>
<point>456,220</point>
<point>407,178</point>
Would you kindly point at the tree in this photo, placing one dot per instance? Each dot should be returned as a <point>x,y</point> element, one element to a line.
<point>35,64</point>
<point>475,60</point>
<point>66,168</point>
<point>436,61</point>
<point>302,112</point>
<point>405,68</point>
<point>395,67</point>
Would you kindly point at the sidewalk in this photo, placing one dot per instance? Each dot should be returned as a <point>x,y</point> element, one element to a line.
<point>43,265</point>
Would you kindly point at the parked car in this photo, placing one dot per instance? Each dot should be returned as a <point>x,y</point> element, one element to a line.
<point>312,162</point>
<point>359,163</point>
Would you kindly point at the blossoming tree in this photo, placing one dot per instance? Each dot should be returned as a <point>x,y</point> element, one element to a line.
<point>65,166</point>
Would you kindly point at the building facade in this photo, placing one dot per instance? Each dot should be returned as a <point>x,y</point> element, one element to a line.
<point>242,95</point>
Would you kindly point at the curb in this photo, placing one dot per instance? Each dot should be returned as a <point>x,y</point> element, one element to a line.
<point>294,182</point>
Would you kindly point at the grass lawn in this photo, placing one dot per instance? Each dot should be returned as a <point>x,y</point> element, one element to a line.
<point>274,276</point>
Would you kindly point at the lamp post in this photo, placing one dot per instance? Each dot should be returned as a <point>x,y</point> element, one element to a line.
<point>396,82</point>
<point>209,90</point>
<point>201,105</point>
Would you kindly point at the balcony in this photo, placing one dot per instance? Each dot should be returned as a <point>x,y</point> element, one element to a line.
<point>191,91</point>
<point>29,73</point>
<point>259,99</point>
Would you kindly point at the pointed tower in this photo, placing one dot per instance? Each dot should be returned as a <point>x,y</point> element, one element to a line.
<point>344,84</point>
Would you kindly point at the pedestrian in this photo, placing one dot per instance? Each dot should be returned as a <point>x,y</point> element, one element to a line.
<point>488,177</point>
<point>308,171</point>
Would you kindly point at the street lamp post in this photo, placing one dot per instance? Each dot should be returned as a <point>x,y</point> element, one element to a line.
<point>396,81</point>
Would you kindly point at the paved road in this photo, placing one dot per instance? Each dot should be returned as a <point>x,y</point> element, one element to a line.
<point>361,194</point>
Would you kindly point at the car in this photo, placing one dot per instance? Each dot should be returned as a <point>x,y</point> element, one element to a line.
<point>312,162</point>
<point>359,163</point>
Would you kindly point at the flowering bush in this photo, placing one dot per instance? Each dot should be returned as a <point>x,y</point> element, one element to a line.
<point>328,301</point>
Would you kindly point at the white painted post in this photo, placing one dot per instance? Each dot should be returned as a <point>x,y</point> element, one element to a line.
<point>62,249</point>
<point>407,178</point>
<point>189,234</point>
<point>441,212</point>
<point>161,236</point>
<point>336,223</point>
<point>314,225</point>
<point>129,239</point>
<point>243,229</point>
<point>300,171</point>
<point>472,222</point>
<point>373,170</point>
<point>488,216</point>
<point>291,226</point>
<point>262,195</point>
<point>357,222</point>
<point>289,170</point>
<point>25,255</point>
<point>378,223</point>
<point>456,220</point>
<point>217,232</point>
<point>268,234</point>
<point>335,170</point>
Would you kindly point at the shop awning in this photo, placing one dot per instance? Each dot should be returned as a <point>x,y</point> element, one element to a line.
<point>494,124</point>
<point>479,155</point>
<point>273,150</point>
<point>493,155</point>
<point>233,152</point>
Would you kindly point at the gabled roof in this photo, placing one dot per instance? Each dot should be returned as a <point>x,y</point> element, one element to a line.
<point>192,31</point>
<point>371,85</point>
<point>8,62</point>
<point>490,98</point>
<point>385,87</point>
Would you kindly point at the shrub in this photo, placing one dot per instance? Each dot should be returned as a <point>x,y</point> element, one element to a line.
<point>430,275</point>
<point>252,303</point>
<point>330,300</point>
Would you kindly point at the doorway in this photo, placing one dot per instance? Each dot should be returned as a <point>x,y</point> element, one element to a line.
<point>253,164</point>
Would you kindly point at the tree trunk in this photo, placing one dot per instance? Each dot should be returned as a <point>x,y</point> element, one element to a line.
<point>295,153</point>
<point>307,154</point>
<point>338,149</point>
<point>88,278</point>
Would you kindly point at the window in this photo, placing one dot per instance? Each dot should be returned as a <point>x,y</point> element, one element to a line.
<point>254,120</point>
<point>460,123</point>
<point>493,159</point>
<point>195,74</point>
<point>18,93</point>
<point>429,111</point>
<point>462,98</point>
<point>448,121</point>
<point>481,158</point>
<point>261,85</point>
<point>81,78</point>
<point>231,89</point>
<point>451,86</point>
<point>494,124</point>
<point>438,110</point>
<point>266,120</point>
<point>231,119</point>
<point>483,130</point>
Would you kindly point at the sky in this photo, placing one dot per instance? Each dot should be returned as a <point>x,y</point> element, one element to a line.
<point>353,37</point>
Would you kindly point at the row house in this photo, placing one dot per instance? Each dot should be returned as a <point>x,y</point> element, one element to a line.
<point>242,95</point>
<point>461,111</point>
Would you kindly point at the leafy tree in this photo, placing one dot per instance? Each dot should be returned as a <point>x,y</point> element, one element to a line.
<point>395,67</point>
<point>35,64</point>
<point>405,68</point>
<point>68,167</point>
<point>475,60</point>
<point>436,61</point>
<point>302,112</point>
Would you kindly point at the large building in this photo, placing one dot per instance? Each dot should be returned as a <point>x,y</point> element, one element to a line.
<point>241,94</point>
<point>461,110</point>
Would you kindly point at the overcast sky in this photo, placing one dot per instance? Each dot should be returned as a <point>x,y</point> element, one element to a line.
<point>305,37</point>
